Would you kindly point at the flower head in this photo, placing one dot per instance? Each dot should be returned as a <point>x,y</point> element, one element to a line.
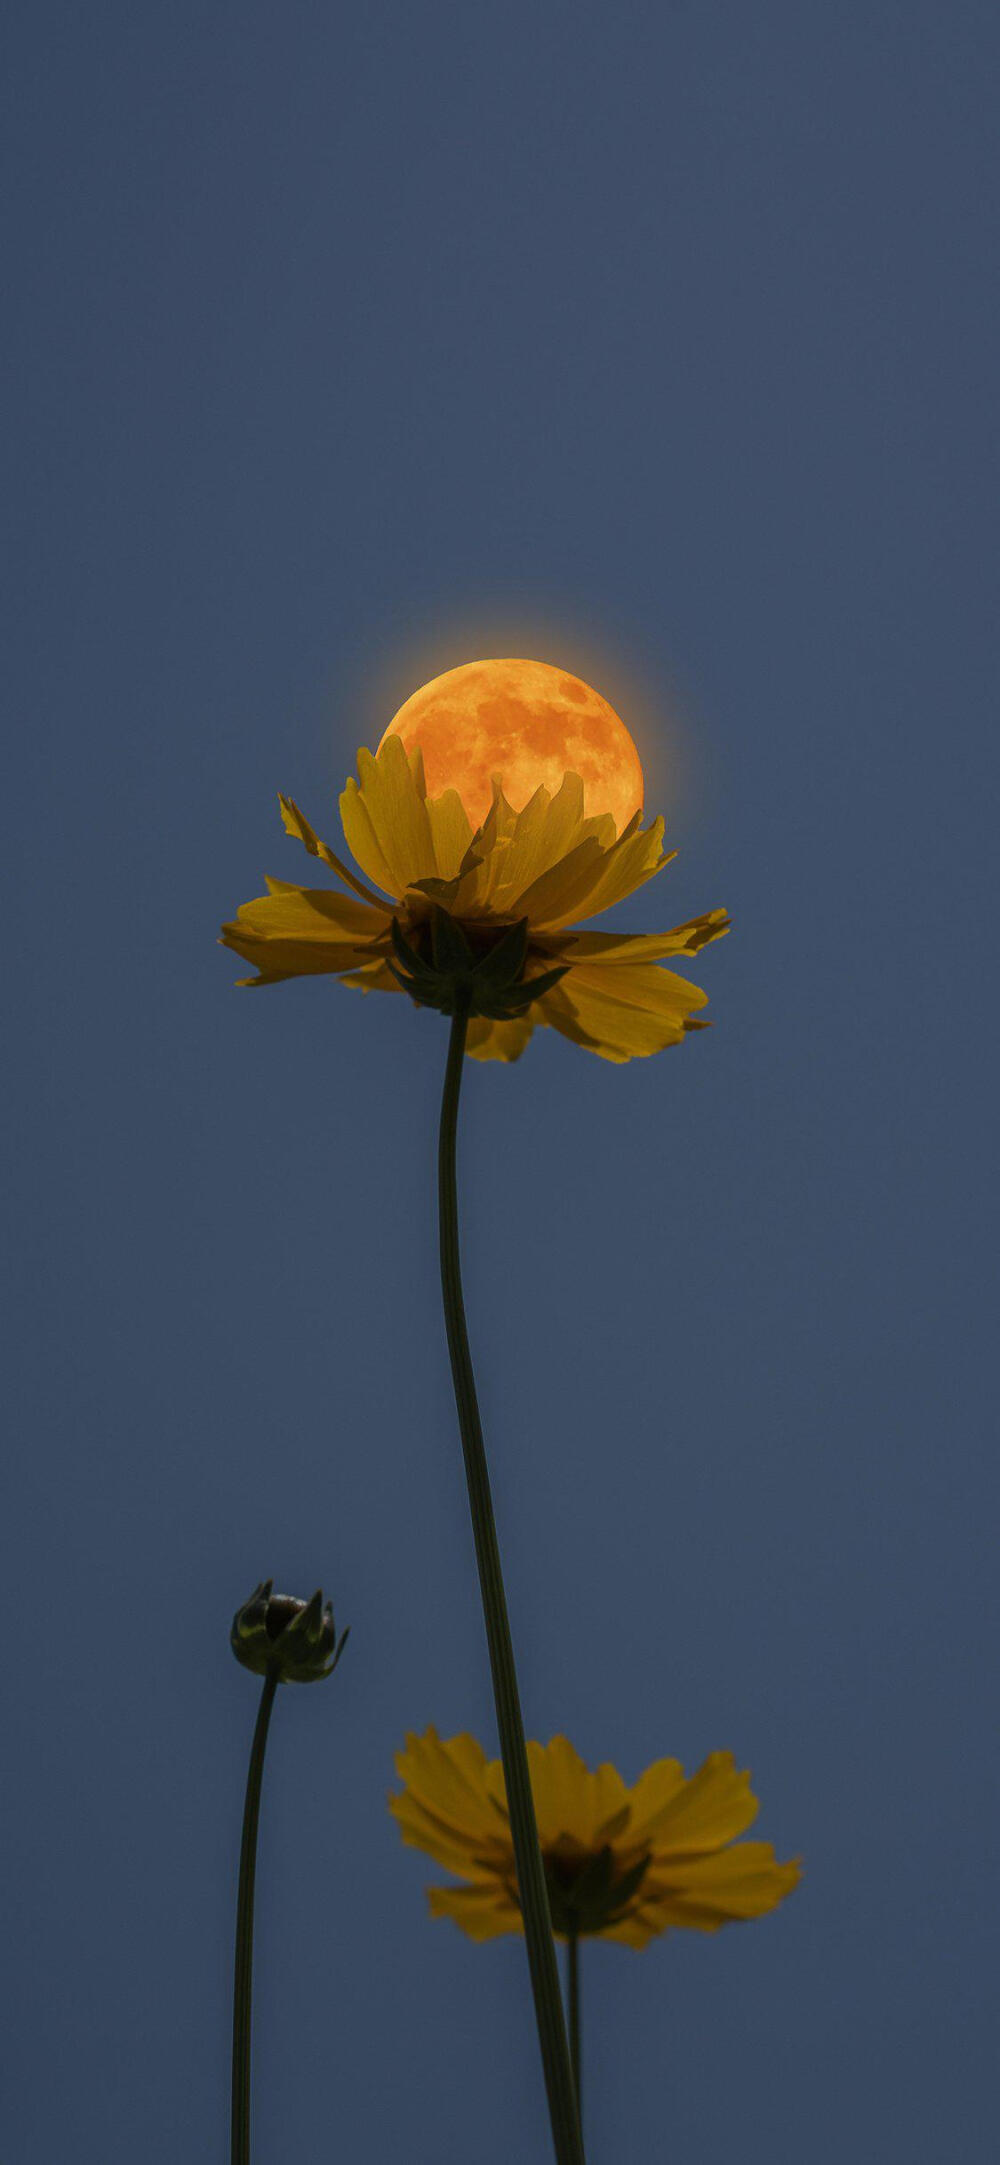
<point>278,1632</point>
<point>621,1864</point>
<point>521,879</point>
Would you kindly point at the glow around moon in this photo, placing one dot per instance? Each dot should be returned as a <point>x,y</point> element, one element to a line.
<point>530,724</point>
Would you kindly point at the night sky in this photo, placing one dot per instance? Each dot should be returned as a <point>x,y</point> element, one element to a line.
<point>659,341</point>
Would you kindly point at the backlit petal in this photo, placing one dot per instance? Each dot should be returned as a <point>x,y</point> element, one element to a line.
<point>448,1776</point>
<point>625,1013</point>
<point>459,1848</point>
<point>451,832</point>
<point>513,851</point>
<point>606,947</point>
<point>656,1788</point>
<point>551,899</point>
<point>713,1807</point>
<point>640,1924</point>
<point>385,818</point>
<point>744,1881</point>
<point>558,1785</point>
<point>484,1912</point>
<point>488,1040</point>
<point>537,838</point>
<point>571,1798</point>
<point>297,824</point>
<point>373,977</point>
<point>482,868</point>
<point>304,931</point>
<point>359,832</point>
<point>594,881</point>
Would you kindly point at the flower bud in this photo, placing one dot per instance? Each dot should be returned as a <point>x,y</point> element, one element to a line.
<point>275,1633</point>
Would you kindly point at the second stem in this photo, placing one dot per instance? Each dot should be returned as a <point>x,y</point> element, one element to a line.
<point>573,1998</point>
<point>532,1890</point>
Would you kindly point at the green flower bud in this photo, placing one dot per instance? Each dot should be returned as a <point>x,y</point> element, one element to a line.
<point>275,1633</point>
<point>441,967</point>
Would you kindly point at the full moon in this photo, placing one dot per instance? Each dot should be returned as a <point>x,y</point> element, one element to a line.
<point>528,723</point>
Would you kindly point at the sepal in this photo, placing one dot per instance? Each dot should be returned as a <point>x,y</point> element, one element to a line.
<point>589,1897</point>
<point>448,973</point>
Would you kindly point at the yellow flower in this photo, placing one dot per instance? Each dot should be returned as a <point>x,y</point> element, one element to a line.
<point>544,867</point>
<point>622,1864</point>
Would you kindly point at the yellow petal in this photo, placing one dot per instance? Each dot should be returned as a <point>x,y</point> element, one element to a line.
<point>546,829</point>
<point>385,818</point>
<point>488,1040</point>
<point>512,851</point>
<point>570,1799</point>
<point>608,947</point>
<point>551,899</point>
<point>373,977</point>
<point>484,1912</point>
<point>447,1775</point>
<point>304,931</point>
<point>558,1785</point>
<point>461,1849</point>
<point>535,839</point>
<point>356,821</point>
<point>297,824</point>
<point>451,832</point>
<point>593,878</point>
<point>622,1013</point>
<point>655,1789</point>
<point>712,1808</point>
<point>482,867</point>
<point>744,1881</point>
<point>638,1926</point>
<point>634,860</point>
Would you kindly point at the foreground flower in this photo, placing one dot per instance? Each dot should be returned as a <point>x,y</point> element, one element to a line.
<point>621,1864</point>
<point>522,877</point>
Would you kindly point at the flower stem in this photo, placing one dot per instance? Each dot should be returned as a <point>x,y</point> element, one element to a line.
<point>243,1979</point>
<point>573,1997</point>
<point>527,1855</point>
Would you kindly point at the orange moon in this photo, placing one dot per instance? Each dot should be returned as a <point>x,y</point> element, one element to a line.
<point>528,723</point>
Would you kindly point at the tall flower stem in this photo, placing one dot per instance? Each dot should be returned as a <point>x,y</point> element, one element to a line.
<point>573,2000</point>
<point>527,1855</point>
<point>243,1979</point>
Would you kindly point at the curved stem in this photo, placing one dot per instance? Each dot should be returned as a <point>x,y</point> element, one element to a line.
<point>243,1978</point>
<point>573,1997</point>
<point>527,1856</point>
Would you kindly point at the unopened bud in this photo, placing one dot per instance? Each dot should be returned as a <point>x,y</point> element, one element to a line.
<point>277,1634</point>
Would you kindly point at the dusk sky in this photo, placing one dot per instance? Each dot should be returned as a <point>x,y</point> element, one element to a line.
<point>346,344</point>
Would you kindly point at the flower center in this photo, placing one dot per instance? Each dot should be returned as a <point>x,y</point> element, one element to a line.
<point>589,1890</point>
<point>280,1610</point>
<point>481,934</point>
<point>475,968</point>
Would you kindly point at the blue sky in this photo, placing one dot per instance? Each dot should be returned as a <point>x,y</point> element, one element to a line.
<point>660,342</point>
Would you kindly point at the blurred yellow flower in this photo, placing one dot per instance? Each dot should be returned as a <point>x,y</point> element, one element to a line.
<point>544,866</point>
<point>622,1864</point>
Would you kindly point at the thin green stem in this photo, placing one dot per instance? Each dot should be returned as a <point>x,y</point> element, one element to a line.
<point>243,1978</point>
<point>573,1998</point>
<point>527,1855</point>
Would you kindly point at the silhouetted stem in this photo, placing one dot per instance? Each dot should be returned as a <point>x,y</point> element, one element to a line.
<point>243,1979</point>
<point>527,1855</point>
<point>573,1999</point>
